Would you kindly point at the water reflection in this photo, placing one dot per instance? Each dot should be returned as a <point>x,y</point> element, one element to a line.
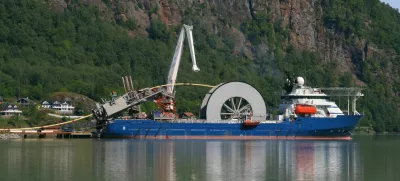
<point>43,160</point>
<point>228,160</point>
<point>120,160</point>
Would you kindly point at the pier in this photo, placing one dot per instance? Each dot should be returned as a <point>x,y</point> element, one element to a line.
<point>49,133</point>
<point>53,130</point>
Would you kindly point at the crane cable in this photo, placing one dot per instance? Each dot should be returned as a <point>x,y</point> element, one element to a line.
<point>83,117</point>
<point>184,84</point>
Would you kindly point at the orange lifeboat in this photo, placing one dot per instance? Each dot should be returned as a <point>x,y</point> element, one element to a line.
<point>305,109</point>
<point>250,123</point>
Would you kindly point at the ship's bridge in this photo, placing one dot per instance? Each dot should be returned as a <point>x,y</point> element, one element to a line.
<point>352,94</point>
<point>301,94</point>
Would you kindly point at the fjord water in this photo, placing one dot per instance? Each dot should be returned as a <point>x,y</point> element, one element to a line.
<point>363,158</point>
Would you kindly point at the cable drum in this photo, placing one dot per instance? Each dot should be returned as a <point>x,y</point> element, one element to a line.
<point>233,101</point>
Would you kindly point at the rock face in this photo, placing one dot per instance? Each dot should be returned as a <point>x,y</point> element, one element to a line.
<point>302,17</point>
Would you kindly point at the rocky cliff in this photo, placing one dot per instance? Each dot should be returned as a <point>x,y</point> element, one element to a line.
<point>302,19</point>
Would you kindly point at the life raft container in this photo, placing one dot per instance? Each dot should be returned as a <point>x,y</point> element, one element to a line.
<point>305,109</point>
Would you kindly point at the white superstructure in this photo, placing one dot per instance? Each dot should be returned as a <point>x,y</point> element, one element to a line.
<point>302,95</point>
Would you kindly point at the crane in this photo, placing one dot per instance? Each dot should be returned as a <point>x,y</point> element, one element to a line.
<point>164,98</point>
<point>173,71</point>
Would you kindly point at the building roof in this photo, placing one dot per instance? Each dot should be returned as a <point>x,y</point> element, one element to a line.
<point>56,102</point>
<point>67,102</point>
<point>25,100</point>
<point>7,107</point>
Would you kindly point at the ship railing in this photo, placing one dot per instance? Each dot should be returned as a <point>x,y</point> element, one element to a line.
<point>202,121</point>
<point>218,121</point>
<point>271,122</point>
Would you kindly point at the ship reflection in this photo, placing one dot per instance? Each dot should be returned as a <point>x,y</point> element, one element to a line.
<point>161,160</point>
<point>229,160</point>
<point>323,160</point>
<point>135,160</point>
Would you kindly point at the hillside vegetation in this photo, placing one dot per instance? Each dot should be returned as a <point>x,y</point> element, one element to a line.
<point>378,23</point>
<point>79,50</point>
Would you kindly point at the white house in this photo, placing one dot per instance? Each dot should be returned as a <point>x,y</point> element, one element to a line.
<point>46,104</point>
<point>11,110</point>
<point>65,107</point>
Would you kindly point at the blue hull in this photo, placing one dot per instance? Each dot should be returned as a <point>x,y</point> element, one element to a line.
<point>304,127</point>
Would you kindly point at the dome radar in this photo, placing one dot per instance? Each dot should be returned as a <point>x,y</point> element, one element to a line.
<point>300,81</point>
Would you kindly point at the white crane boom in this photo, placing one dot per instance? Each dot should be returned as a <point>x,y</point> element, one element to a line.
<point>173,71</point>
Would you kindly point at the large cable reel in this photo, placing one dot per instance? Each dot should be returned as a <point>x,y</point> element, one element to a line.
<point>233,101</point>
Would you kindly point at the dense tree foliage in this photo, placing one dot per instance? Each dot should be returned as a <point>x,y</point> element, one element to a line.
<point>42,51</point>
<point>369,19</point>
<point>379,24</point>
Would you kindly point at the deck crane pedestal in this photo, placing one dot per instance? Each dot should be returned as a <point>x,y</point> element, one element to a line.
<point>162,96</point>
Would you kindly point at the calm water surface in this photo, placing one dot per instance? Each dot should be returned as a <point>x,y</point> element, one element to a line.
<point>363,158</point>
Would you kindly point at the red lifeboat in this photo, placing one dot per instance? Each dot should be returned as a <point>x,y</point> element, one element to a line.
<point>250,123</point>
<point>305,109</point>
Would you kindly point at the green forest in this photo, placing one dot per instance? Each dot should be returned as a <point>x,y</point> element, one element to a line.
<point>43,51</point>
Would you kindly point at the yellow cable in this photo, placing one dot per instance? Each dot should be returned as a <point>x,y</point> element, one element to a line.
<point>46,126</point>
<point>185,84</point>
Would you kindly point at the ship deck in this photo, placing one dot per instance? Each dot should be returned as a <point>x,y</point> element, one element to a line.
<point>203,121</point>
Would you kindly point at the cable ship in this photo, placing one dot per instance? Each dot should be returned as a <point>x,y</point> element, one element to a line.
<point>305,113</point>
<point>230,110</point>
